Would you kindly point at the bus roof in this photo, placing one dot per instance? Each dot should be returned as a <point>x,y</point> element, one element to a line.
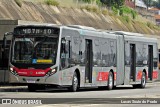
<point>81,27</point>
<point>129,35</point>
<point>39,25</point>
<point>126,33</point>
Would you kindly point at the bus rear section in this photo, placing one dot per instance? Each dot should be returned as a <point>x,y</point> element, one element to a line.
<point>141,60</point>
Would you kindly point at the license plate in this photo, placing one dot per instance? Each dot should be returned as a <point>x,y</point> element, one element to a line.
<point>31,81</point>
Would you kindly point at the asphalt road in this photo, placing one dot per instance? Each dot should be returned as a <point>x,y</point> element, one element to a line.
<point>152,90</point>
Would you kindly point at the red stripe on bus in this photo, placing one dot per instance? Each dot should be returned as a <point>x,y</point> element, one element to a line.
<point>115,75</point>
<point>31,72</point>
<point>102,76</point>
<point>147,75</point>
<point>139,75</point>
<point>155,75</point>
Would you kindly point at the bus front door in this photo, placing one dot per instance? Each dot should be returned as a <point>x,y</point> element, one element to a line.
<point>89,61</point>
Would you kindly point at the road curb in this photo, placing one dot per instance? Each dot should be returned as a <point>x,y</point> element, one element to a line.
<point>12,88</point>
<point>24,88</point>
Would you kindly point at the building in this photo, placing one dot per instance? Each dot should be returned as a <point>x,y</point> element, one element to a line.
<point>130,3</point>
<point>156,12</point>
<point>136,4</point>
<point>141,8</point>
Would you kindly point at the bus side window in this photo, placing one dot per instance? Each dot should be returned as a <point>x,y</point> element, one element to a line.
<point>65,53</point>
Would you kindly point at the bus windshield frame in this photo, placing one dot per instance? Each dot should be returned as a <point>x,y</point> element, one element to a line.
<point>35,50</point>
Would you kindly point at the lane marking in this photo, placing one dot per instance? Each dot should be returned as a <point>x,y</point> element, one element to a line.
<point>69,105</point>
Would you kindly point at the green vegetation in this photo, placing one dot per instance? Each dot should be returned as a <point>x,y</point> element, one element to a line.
<point>128,16</point>
<point>52,2</point>
<point>115,10</point>
<point>95,9</point>
<point>87,1</point>
<point>124,10</point>
<point>157,27</point>
<point>104,11</point>
<point>115,3</point>
<point>99,3</point>
<point>134,14</point>
<point>91,8</point>
<point>150,25</point>
<point>87,7</point>
<point>19,2</point>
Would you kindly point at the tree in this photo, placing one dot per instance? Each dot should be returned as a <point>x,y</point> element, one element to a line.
<point>115,3</point>
<point>158,3</point>
<point>120,2</point>
<point>150,3</point>
<point>98,2</point>
<point>88,1</point>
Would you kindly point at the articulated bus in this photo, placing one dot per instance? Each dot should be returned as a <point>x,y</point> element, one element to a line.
<point>78,56</point>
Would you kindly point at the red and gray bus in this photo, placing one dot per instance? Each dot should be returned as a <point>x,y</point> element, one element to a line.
<point>78,56</point>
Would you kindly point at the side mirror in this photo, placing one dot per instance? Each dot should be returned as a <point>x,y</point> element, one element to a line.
<point>63,41</point>
<point>8,33</point>
<point>63,45</point>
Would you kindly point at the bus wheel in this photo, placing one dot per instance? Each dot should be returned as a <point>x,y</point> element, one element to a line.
<point>31,87</point>
<point>110,81</point>
<point>74,86</point>
<point>143,81</point>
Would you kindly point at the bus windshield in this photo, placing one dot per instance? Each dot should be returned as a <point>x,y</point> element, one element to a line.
<point>34,50</point>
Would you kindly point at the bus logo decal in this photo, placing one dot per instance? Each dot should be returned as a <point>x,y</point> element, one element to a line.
<point>31,73</point>
<point>34,61</point>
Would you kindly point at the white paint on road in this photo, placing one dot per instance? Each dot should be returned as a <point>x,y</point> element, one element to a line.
<point>141,96</point>
<point>72,105</point>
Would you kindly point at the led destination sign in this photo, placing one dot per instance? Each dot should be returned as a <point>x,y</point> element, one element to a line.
<point>36,31</point>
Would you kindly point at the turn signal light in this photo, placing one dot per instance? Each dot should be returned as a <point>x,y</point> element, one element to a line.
<point>13,71</point>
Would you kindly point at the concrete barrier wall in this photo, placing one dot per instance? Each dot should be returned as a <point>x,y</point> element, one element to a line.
<point>66,16</point>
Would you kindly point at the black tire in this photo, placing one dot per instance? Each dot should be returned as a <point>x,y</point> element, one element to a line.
<point>143,82</point>
<point>110,81</point>
<point>31,87</point>
<point>75,86</point>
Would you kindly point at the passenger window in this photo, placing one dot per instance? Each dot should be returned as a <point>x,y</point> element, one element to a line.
<point>65,53</point>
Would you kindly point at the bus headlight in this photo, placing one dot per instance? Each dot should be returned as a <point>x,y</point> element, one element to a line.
<point>13,71</point>
<point>51,72</point>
